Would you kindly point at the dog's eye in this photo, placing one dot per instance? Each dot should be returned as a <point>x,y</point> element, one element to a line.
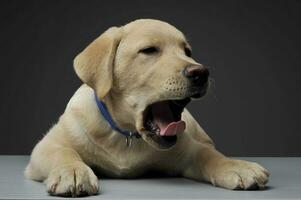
<point>149,50</point>
<point>187,52</point>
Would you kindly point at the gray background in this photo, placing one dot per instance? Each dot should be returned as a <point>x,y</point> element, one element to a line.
<point>253,109</point>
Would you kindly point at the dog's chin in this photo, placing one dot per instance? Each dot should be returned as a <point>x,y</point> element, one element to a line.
<point>160,142</point>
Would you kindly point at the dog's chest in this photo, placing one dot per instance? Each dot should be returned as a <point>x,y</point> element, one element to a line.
<point>120,162</point>
<point>120,167</point>
<point>123,167</point>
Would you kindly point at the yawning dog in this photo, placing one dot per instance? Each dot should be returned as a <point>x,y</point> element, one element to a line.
<point>129,117</point>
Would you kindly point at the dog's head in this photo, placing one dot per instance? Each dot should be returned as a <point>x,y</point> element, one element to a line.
<point>144,72</point>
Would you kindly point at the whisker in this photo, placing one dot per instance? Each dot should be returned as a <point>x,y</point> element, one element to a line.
<point>212,85</point>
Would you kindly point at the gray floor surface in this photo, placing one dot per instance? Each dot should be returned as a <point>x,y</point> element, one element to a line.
<point>285,183</point>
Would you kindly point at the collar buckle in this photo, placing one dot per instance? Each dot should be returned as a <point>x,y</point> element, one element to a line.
<point>128,140</point>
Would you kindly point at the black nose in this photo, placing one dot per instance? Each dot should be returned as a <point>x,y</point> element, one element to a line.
<point>197,74</point>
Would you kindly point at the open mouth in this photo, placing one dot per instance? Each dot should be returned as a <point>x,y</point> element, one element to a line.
<point>162,121</point>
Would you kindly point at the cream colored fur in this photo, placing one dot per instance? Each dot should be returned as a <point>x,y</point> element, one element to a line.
<point>127,82</point>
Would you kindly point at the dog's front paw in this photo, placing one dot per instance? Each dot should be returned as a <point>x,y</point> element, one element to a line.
<point>72,180</point>
<point>239,174</point>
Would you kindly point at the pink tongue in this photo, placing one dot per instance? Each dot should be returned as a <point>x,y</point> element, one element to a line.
<point>163,117</point>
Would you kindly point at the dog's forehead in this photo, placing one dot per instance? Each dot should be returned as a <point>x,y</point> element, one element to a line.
<point>149,28</point>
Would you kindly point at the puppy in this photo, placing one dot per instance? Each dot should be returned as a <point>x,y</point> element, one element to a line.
<point>129,117</point>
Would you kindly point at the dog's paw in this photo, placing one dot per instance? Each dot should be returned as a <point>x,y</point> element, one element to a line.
<point>239,174</point>
<point>75,180</point>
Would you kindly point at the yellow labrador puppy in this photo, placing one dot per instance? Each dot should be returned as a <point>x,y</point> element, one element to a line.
<point>129,117</point>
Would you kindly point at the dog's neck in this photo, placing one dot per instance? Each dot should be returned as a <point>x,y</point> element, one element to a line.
<point>114,108</point>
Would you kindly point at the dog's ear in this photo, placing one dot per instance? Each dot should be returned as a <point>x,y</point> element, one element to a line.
<point>94,65</point>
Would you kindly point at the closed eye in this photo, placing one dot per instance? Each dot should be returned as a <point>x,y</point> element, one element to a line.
<point>149,50</point>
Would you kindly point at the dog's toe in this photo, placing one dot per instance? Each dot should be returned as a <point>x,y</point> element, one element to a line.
<point>72,181</point>
<point>238,174</point>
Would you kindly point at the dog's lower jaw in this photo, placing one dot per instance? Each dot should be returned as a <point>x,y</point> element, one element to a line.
<point>158,142</point>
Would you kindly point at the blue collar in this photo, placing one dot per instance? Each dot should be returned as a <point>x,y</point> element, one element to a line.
<point>105,113</point>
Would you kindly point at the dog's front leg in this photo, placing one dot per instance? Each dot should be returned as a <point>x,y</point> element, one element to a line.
<point>210,165</point>
<point>62,170</point>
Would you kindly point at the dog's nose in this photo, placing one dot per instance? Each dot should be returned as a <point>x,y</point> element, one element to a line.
<point>198,74</point>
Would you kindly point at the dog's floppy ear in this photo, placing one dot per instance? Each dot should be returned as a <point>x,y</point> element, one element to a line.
<point>94,65</point>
